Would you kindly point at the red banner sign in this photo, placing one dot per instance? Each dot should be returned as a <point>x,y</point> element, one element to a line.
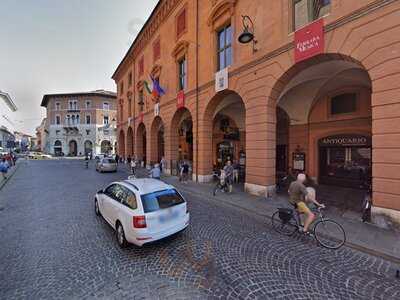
<point>309,41</point>
<point>180,99</point>
<point>141,114</point>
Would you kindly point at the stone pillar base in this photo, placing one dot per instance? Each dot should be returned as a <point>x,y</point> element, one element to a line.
<point>386,218</point>
<point>202,178</point>
<point>259,190</point>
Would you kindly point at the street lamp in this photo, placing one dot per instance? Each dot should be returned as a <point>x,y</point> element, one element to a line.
<point>247,35</point>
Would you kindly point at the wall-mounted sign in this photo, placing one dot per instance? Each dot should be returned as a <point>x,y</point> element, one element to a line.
<point>180,99</point>
<point>156,109</point>
<point>221,80</point>
<point>141,115</point>
<point>345,141</point>
<point>129,121</point>
<point>309,41</point>
<point>299,161</point>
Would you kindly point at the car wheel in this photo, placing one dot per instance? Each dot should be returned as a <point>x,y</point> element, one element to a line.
<point>122,242</point>
<point>96,208</point>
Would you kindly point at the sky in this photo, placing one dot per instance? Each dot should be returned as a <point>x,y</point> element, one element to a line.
<point>57,46</point>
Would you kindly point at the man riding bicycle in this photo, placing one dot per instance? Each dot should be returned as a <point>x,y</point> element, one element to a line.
<point>298,196</point>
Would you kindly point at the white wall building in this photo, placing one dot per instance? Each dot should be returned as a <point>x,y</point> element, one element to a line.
<point>80,123</point>
<point>7,109</point>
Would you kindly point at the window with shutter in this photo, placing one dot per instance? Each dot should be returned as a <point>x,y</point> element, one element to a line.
<point>141,66</point>
<point>130,79</point>
<point>156,50</point>
<point>181,23</point>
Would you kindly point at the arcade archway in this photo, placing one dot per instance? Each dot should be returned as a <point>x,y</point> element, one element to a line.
<point>324,122</point>
<point>121,144</point>
<point>129,142</point>
<point>157,140</point>
<point>181,138</point>
<point>141,143</point>
<point>226,116</point>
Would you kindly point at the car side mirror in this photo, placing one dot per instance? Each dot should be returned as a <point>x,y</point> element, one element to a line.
<point>100,192</point>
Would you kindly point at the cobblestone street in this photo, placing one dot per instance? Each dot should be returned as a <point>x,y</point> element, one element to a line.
<point>54,247</point>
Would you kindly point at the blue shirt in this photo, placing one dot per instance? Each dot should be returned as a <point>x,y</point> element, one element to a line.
<point>155,173</point>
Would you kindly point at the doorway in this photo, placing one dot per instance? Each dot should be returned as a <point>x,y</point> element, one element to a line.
<point>73,148</point>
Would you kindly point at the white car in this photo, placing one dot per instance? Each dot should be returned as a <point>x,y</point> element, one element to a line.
<point>106,165</point>
<point>100,156</point>
<point>142,210</point>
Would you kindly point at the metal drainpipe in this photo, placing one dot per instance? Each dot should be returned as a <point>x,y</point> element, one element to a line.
<point>197,90</point>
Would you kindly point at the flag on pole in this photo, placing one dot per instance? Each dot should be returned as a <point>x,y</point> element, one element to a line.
<point>157,89</point>
<point>146,85</point>
<point>318,6</point>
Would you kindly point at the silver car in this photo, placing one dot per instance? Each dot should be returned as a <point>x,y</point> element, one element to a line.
<point>106,164</point>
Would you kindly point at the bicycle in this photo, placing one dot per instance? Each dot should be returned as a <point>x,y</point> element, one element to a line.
<point>221,185</point>
<point>328,233</point>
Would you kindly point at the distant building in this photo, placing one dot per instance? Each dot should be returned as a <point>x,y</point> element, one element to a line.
<point>7,108</point>
<point>80,123</point>
<point>42,132</point>
<point>6,139</point>
<point>22,141</point>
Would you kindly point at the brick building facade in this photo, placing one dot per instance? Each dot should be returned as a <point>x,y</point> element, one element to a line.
<point>334,115</point>
<point>80,123</point>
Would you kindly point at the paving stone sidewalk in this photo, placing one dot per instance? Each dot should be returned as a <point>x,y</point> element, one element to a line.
<point>361,236</point>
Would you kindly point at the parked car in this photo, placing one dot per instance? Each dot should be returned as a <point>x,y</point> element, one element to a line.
<point>142,210</point>
<point>106,165</point>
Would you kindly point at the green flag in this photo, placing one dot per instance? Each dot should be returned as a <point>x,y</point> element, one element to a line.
<point>146,85</point>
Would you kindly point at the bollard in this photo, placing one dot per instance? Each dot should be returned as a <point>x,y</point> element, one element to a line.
<point>398,274</point>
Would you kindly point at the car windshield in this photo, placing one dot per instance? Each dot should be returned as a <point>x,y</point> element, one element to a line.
<point>160,200</point>
<point>109,161</point>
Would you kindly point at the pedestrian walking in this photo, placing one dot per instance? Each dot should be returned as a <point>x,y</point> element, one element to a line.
<point>4,168</point>
<point>185,172</point>
<point>133,166</point>
<point>229,175</point>
<point>163,164</point>
<point>117,158</point>
<point>129,160</point>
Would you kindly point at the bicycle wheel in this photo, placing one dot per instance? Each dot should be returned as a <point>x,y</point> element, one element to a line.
<point>287,228</point>
<point>329,234</point>
<point>216,188</point>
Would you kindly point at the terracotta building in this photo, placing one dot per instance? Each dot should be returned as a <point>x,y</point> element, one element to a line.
<point>80,123</point>
<point>312,85</point>
<point>41,135</point>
